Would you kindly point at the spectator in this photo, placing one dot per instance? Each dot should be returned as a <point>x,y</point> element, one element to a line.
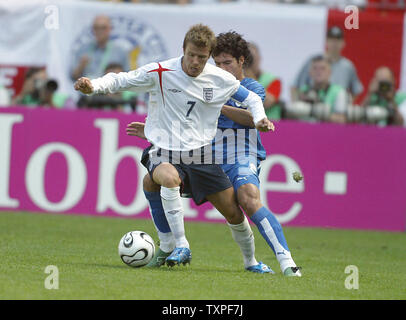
<point>121,101</point>
<point>322,100</point>
<point>94,56</point>
<point>38,90</point>
<point>29,93</point>
<point>271,83</point>
<point>343,71</point>
<point>382,100</point>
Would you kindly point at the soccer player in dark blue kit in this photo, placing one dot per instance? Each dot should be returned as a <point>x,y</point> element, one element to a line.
<point>238,148</point>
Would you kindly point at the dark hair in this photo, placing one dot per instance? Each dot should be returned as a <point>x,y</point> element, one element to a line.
<point>201,36</point>
<point>320,58</point>
<point>234,44</point>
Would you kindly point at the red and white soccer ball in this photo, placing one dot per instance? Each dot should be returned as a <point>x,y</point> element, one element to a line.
<point>136,248</point>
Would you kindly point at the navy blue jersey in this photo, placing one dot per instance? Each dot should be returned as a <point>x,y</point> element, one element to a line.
<point>252,144</point>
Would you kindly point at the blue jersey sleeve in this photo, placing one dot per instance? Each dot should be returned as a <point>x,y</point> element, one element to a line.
<point>241,94</point>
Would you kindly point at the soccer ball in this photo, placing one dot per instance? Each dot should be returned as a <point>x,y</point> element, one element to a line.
<point>136,248</point>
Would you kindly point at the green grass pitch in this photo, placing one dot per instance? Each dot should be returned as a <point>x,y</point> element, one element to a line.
<point>84,249</point>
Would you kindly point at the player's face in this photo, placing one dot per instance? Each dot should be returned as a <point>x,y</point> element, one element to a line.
<point>227,62</point>
<point>194,59</point>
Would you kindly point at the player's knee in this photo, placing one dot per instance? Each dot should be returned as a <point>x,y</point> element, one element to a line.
<point>170,181</point>
<point>234,215</point>
<point>249,198</point>
<point>238,216</point>
<point>167,176</point>
<point>226,203</point>
<point>149,185</point>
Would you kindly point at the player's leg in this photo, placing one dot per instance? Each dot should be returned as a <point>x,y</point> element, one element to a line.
<point>167,176</point>
<point>246,182</point>
<point>166,239</point>
<point>163,173</point>
<point>249,198</point>
<point>241,232</point>
<point>225,202</point>
<point>209,183</point>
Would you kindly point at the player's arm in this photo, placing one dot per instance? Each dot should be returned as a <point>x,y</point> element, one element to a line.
<point>238,115</point>
<point>254,104</point>
<point>137,80</point>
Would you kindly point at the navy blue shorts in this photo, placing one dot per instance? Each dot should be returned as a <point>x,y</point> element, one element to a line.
<point>198,179</point>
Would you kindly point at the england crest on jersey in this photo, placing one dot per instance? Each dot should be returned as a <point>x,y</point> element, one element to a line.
<point>207,94</point>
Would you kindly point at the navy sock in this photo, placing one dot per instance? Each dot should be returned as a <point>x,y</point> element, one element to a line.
<point>157,211</point>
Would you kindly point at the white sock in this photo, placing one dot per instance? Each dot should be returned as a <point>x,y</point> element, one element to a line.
<point>172,205</point>
<point>242,234</point>
<point>166,241</point>
<point>285,261</point>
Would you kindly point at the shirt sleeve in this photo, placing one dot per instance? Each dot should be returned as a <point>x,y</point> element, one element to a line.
<point>136,80</point>
<point>252,101</point>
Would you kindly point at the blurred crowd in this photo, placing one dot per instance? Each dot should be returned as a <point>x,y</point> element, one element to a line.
<point>337,3</point>
<point>380,4</point>
<point>324,89</point>
<point>327,86</point>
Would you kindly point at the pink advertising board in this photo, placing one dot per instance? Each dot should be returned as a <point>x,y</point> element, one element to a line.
<point>82,162</point>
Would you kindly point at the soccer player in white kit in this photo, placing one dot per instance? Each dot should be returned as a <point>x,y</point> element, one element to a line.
<point>230,53</point>
<point>186,97</point>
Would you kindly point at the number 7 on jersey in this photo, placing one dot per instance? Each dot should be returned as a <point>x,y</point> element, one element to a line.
<point>192,104</point>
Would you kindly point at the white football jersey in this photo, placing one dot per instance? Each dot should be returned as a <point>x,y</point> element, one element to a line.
<point>183,111</point>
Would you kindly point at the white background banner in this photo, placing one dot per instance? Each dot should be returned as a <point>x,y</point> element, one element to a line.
<point>46,32</point>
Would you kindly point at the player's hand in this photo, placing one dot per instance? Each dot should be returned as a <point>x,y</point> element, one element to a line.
<point>265,125</point>
<point>136,129</point>
<point>84,85</point>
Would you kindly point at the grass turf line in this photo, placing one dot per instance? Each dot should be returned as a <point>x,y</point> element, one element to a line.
<point>85,251</point>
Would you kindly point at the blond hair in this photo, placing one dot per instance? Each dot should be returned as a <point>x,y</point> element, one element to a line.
<point>201,36</point>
